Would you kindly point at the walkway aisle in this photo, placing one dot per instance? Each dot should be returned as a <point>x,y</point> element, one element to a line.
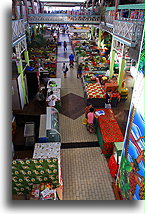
<point>72,98</point>
<point>84,170</point>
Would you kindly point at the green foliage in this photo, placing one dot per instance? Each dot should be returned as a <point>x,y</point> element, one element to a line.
<point>39,41</point>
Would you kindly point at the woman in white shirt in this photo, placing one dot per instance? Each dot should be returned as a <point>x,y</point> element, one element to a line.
<point>51,99</point>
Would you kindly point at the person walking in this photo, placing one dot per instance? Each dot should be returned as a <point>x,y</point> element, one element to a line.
<point>79,71</point>
<point>65,46</point>
<point>71,59</point>
<point>64,69</point>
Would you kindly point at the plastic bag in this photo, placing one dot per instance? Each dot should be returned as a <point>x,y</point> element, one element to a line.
<point>84,121</point>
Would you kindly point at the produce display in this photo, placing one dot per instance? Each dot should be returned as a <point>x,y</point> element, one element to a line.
<point>96,86</point>
<point>43,191</point>
<point>44,57</point>
<point>94,59</point>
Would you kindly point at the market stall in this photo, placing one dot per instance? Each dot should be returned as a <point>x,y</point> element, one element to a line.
<point>108,131</point>
<point>96,86</point>
<point>43,52</point>
<point>26,172</point>
<point>49,126</point>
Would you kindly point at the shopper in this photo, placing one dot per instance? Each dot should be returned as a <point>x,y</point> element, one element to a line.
<point>65,46</point>
<point>108,100</point>
<point>79,71</point>
<point>51,99</point>
<point>71,59</point>
<point>90,121</point>
<point>40,97</point>
<point>87,109</point>
<point>64,69</point>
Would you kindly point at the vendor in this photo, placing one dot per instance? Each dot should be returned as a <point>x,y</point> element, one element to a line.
<point>108,97</point>
<point>51,99</point>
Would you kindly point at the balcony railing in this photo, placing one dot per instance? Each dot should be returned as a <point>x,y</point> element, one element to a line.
<point>127,30</point>
<point>109,19</point>
<point>18,29</point>
<point>64,18</point>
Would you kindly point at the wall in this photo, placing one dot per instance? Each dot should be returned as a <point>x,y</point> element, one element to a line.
<point>131,173</point>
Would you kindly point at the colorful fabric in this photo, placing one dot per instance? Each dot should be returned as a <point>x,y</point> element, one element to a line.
<point>94,90</point>
<point>46,150</point>
<point>113,166</point>
<point>109,127</point>
<point>25,173</point>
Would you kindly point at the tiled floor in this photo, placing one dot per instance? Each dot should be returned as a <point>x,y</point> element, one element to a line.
<point>85,172</point>
<point>86,175</point>
<point>74,131</point>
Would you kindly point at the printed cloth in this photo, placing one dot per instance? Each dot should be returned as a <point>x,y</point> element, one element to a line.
<point>46,150</point>
<point>25,173</point>
<point>94,90</point>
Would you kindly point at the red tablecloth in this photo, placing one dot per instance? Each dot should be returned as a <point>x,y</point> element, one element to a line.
<point>109,127</point>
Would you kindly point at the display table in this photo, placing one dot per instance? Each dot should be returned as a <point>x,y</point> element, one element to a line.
<point>108,132</point>
<point>46,150</point>
<point>56,80</point>
<point>49,126</point>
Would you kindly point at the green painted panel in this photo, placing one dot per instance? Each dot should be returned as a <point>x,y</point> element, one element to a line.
<point>128,6</point>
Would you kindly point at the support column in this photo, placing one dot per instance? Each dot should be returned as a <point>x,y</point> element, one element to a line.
<point>112,56</point>
<point>28,35</point>
<point>15,11</point>
<point>23,87</point>
<point>116,8</point>
<point>121,70</point>
<point>93,3</point>
<point>99,39</point>
<point>92,31</point>
<point>26,55</point>
<point>19,66</point>
<point>35,32</point>
<point>33,8</point>
<point>87,5</point>
<point>20,71</point>
<point>39,28</point>
<point>26,8</point>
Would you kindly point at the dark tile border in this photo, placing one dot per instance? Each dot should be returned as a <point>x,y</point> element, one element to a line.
<point>79,145</point>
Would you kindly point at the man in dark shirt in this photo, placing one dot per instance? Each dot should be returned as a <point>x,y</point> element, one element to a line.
<point>79,71</point>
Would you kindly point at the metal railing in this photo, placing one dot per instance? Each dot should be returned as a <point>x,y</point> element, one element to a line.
<point>127,30</point>
<point>18,29</point>
<point>46,18</point>
<point>109,19</point>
